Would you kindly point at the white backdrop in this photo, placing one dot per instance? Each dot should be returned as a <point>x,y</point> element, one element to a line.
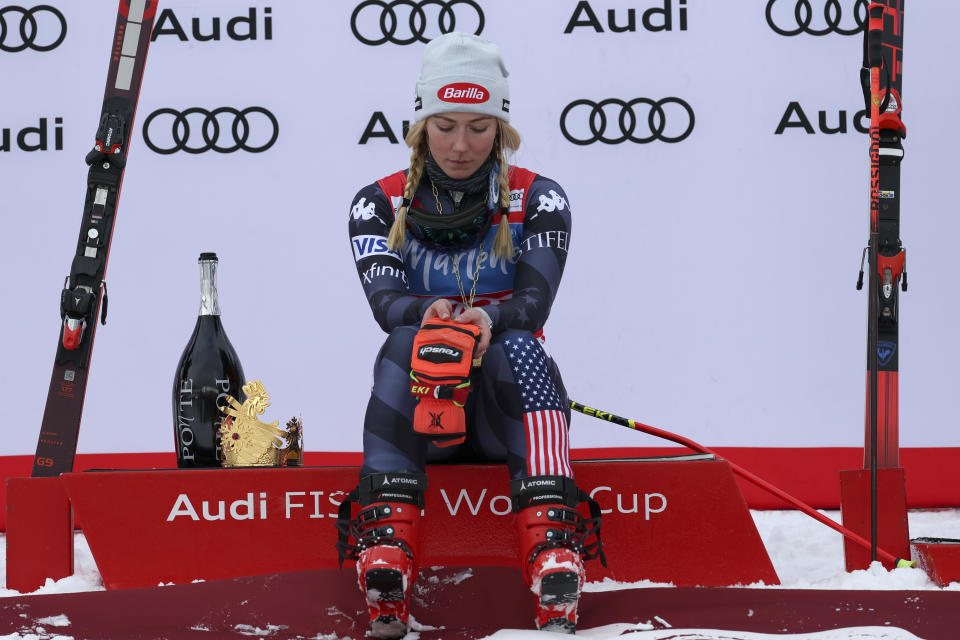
<point>710,284</point>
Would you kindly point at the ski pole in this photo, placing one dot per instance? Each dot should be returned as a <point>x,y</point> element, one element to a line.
<point>743,473</point>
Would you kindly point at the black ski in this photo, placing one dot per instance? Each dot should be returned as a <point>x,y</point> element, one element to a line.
<point>85,287</point>
<point>882,81</point>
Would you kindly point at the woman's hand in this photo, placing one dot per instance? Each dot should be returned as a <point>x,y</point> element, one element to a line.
<point>479,318</point>
<point>443,309</point>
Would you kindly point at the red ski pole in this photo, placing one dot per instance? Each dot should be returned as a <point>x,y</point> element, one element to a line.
<point>746,475</point>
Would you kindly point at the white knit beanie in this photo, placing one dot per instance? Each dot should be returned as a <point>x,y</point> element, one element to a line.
<point>462,72</point>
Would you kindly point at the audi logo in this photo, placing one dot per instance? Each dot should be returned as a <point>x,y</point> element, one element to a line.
<point>585,122</point>
<point>253,129</point>
<point>415,22</point>
<point>35,31</point>
<point>802,19</point>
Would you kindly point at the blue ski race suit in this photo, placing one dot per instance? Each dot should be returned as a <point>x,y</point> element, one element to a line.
<point>518,411</point>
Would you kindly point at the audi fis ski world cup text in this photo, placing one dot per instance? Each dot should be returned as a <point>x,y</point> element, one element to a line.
<point>324,504</point>
<point>39,28</point>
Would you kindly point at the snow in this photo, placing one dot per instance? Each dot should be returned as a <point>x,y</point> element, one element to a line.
<point>806,555</point>
<point>457,578</point>
<point>645,632</point>
<point>249,630</point>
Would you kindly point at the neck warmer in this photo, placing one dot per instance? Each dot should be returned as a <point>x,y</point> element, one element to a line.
<point>476,183</point>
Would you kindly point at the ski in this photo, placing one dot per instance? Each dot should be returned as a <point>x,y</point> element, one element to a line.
<point>85,288</point>
<point>882,83</point>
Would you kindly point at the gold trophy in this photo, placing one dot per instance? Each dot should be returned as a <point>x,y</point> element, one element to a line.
<point>246,441</point>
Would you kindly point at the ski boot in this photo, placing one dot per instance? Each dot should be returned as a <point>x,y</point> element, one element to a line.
<point>552,535</point>
<point>385,546</point>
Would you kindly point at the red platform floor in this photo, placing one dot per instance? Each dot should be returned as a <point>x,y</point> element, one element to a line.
<point>456,603</point>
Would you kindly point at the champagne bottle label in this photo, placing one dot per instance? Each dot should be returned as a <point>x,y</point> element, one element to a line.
<point>223,386</point>
<point>185,418</point>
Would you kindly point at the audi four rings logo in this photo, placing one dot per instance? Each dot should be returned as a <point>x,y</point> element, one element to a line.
<point>613,121</point>
<point>803,19</point>
<point>40,28</point>
<point>253,129</point>
<point>415,21</point>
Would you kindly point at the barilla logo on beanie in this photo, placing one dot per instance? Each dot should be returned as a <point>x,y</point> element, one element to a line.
<point>463,93</point>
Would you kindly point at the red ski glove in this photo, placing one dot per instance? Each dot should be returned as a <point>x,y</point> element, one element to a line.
<point>440,373</point>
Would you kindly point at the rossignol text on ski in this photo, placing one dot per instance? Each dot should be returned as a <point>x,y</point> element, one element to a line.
<point>85,288</point>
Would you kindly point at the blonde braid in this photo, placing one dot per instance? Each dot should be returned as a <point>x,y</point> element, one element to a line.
<point>417,140</point>
<point>508,140</point>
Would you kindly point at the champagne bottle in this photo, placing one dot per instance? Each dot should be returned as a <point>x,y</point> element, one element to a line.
<point>208,372</point>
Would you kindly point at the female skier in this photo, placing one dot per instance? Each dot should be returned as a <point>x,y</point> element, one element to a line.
<point>460,257</point>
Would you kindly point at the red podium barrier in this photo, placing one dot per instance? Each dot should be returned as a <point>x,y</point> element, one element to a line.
<point>683,522</point>
<point>41,527</point>
<point>939,557</point>
<point>892,527</point>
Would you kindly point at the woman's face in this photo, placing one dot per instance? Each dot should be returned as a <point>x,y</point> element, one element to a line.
<point>461,142</point>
